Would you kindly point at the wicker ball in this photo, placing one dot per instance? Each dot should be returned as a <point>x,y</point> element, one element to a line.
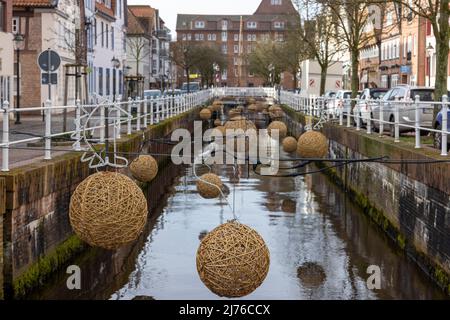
<point>312,144</point>
<point>311,275</point>
<point>252,108</point>
<point>275,108</point>
<point>233,260</point>
<point>211,108</point>
<point>238,118</point>
<point>205,114</point>
<point>289,206</point>
<point>220,129</point>
<point>251,100</point>
<point>108,210</point>
<point>280,126</point>
<point>240,124</point>
<point>209,186</point>
<point>217,122</point>
<point>289,144</point>
<point>218,103</point>
<point>144,168</point>
<point>234,113</point>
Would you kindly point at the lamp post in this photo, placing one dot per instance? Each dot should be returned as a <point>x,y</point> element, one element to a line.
<point>115,64</point>
<point>430,50</point>
<point>18,46</point>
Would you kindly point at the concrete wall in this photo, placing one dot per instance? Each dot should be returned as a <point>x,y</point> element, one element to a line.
<point>410,202</point>
<point>37,236</point>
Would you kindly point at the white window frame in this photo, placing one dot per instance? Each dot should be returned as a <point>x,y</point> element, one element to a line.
<point>199,24</point>
<point>252,25</point>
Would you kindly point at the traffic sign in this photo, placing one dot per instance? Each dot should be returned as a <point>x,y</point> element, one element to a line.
<point>49,57</point>
<point>53,78</point>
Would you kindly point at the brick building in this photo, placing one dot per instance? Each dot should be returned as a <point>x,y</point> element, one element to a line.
<point>270,21</point>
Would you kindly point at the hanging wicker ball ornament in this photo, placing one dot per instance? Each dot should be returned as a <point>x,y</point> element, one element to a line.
<point>312,144</point>
<point>108,210</point>
<point>251,100</point>
<point>280,126</point>
<point>144,168</point>
<point>289,144</point>
<point>217,122</point>
<point>252,108</point>
<point>218,103</point>
<point>205,114</point>
<point>240,124</point>
<point>233,260</point>
<point>275,108</point>
<point>209,186</point>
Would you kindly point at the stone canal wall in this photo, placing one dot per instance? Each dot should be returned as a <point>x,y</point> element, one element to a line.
<point>36,236</point>
<point>410,202</point>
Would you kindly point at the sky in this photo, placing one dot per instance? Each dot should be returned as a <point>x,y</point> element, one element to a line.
<point>168,9</point>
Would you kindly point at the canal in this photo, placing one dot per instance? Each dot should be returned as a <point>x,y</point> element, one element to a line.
<point>320,244</point>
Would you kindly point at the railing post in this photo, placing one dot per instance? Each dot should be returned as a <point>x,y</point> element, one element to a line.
<point>118,130</point>
<point>130,105</point>
<point>341,115</point>
<point>369,118</point>
<point>417,121</point>
<point>152,115</point>
<point>397,123</point>
<point>102,122</point>
<point>348,113</point>
<point>78,125</point>
<point>358,112</point>
<point>145,112</point>
<point>444,151</point>
<point>5,137</point>
<point>381,119</point>
<point>158,108</point>
<point>48,130</point>
<point>138,106</point>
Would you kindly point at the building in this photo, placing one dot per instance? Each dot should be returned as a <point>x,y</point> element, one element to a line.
<point>270,21</point>
<point>311,75</point>
<point>108,58</point>
<point>6,52</point>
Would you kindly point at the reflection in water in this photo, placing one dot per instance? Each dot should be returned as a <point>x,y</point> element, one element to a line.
<point>306,222</point>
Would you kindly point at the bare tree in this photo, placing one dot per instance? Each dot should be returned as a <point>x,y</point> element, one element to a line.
<point>318,31</point>
<point>185,55</point>
<point>138,49</point>
<point>211,56</point>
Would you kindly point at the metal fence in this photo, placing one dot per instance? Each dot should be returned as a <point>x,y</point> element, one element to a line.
<point>395,117</point>
<point>136,115</point>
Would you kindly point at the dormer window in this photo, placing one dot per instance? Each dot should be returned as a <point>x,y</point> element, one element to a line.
<point>252,25</point>
<point>199,24</point>
<point>276,2</point>
<point>278,25</point>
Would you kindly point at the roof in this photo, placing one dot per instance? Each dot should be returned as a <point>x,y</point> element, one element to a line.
<point>184,20</point>
<point>134,25</point>
<point>35,3</point>
<point>142,11</point>
<point>266,7</point>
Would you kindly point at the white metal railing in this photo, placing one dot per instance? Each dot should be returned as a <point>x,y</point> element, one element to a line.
<point>141,113</point>
<point>398,116</point>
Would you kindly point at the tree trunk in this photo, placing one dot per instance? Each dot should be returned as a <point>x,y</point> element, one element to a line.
<point>442,50</point>
<point>323,78</point>
<point>187,77</point>
<point>355,75</point>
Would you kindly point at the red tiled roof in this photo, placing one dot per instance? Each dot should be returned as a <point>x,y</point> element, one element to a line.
<point>142,11</point>
<point>34,3</point>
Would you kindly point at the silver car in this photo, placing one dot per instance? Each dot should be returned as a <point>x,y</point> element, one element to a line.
<point>403,97</point>
<point>367,101</point>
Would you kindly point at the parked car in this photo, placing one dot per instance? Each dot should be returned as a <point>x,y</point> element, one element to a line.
<point>367,101</point>
<point>438,126</point>
<point>336,106</point>
<point>403,96</point>
<point>193,87</point>
<point>152,94</point>
<point>174,92</point>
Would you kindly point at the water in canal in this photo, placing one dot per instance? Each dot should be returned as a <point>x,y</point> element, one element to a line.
<point>320,244</point>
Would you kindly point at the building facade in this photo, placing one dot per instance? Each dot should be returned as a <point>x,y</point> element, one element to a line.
<point>269,22</point>
<point>6,52</point>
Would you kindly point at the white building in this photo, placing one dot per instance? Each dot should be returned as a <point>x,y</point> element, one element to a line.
<point>310,80</point>
<point>107,38</point>
<point>6,52</point>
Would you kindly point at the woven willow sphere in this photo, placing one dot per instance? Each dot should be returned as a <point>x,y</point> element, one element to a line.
<point>276,115</point>
<point>220,129</point>
<point>234,113</point>
<point>280,126</point>
<point>238,118</point>
<point>205,114</point>
<point>217,122</point>
<point>252,108</point>
<point>108,210</point>
<point>289,144</point>
<point>144,168</point>
<point>240,124</point>
<point>233,260</point>
<point>275,108</point>
<point>209,186</point>
<point>211,108</point>
<point>218,103</point>
<point>312,144</point>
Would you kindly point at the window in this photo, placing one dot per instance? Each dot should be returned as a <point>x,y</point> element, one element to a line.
<point>103,34</point>
<point>389,19</point>
<point>384,81</point>
<point>119,8</point>
<point>252,25</point>
<point>15,25</point>
<point>112,38</point>
<point>189,37</point>
<point>108,83</point>
<point>236,48</point>
<point>224,36</point>
<point>100,81</point>
<point>95,31</point>
<point>278,25</point>
<point>276,2</point>
<point>202,37</point>
<point>183,36</point>
<point>236,37</point>
<point>249,37</point>
<point>224,24</point>
<point>224,74</point>
<point>2,16</point>
<point>235,61</point>
<point>120,82</point>
<point>224,49</point>
<point>199,24</point>
<point>197,37</point>
<point>107,36</point>
<point>214,37</point>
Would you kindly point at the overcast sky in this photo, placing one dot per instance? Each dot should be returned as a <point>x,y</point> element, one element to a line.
<point>169,9</point>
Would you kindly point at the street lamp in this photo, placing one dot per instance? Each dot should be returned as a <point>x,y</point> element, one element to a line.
<point>430,50</point>
<point>18,46</point>
<point>116,65</point>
